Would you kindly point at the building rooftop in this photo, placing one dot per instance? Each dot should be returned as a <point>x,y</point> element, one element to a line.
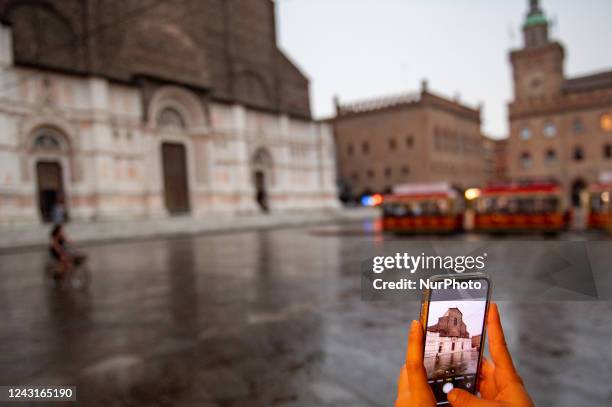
<point>423,97</point>
<point>589,82</point>
<point>378,103</point>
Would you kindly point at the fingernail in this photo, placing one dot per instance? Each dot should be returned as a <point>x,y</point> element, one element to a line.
<point>414,325</point>
<point>452,396</point>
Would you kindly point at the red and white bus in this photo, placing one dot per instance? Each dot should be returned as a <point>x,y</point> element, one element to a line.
<point>521,208</point>
<point>423,208</point>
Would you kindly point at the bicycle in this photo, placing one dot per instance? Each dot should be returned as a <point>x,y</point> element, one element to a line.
<point>76,277</point>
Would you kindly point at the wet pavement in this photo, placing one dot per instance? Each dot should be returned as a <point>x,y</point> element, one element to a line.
<point>268,318</point>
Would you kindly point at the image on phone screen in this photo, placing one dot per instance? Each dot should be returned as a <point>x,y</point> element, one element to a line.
<point>454,338</point>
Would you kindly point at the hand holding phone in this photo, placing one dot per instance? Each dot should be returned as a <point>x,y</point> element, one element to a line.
<point>499,386</point>
<point>454,321</point>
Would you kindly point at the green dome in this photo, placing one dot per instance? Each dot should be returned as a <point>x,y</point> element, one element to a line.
<point>535,19</point>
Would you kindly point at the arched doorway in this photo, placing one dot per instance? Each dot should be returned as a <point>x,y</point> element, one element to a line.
<point>578,186</point>
<point>174,162</point>
<point>262,177</point>
<point>50,188</point>
<point>48,148</point>
<point>176,189</point>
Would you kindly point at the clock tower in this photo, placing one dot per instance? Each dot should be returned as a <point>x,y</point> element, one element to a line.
<point>538,66</point>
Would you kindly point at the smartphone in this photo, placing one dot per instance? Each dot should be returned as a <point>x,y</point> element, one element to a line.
<point>453,314</point>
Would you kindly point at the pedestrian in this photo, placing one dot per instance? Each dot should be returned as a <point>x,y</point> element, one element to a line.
<point>58,213</point>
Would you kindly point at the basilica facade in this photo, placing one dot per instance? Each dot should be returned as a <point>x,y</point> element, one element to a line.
<point>145,109</point>
<point>448,335</point>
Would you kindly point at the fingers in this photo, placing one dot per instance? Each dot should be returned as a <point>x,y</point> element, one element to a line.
<point>461,398</point>
<point>417,378</point>
<point>487,368</point>
<point>497,342</point>
<point>402,381</point>
<point>487,386</point>
<point>414,353</point>
<point>499,350</point>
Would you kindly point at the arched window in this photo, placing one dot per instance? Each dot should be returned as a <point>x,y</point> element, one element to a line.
<point>550,130</point>
<point>551,156</point>
<point>578,126</point>
<point>578,154</point>
<point>525,133</point>
<point>47,139</point>
<point>350,149</point>
<point>526,161</point>
<point>606,122</point>
<point>170,117</point>
<point>262,157</point>
<point>607,151</point>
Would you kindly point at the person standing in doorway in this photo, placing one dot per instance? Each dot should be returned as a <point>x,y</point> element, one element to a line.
<point>58,213</point>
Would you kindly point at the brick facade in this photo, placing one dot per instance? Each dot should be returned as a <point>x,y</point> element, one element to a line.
<point>560,128</point>
<point>420,137</point>
<point>226,49</point>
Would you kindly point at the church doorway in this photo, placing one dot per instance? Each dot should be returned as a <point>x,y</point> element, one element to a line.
<point>262,177</point>
<point>176,187</point>
<point>50,187</point>
<point>261,195</point>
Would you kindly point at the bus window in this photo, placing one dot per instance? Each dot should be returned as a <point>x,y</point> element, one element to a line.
<point>525,205</point>
<point>506,205</point>
<point>444,206</point>
<point>550,205</point>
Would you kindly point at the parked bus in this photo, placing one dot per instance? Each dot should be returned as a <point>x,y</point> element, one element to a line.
<point>600,213</point>
<point>423,208</point>
<point>521,208</point>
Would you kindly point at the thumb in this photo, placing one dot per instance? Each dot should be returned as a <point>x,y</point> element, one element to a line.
<point>462,398</point>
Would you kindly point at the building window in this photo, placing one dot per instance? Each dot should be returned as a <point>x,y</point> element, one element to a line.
<point>551,156</point>
<point>365,147</point>
<point>578,126</point>
<point>46,141</point>
<point>606,122</point>
<point>388,172</point>
<point>392,144</point>
<point>455,321</point>
<point>550,130</point>
<point>350,150</point>
<point>410,141</point>
<point>525,133</point>
<point>578,154</point>
<point>607,151</point>
<point>437,142</point>
<point>370,173</point>
<point>526,161</point>
<point>170,117</point>
<point>405,170</point>
<point>355,176</point>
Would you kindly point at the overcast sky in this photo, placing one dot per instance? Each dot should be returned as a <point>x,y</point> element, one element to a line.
<point>366,48</point>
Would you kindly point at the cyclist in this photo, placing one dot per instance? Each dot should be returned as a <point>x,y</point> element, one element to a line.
<point>60,250</point>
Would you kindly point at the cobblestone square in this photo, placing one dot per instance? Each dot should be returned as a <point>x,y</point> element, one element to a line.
<point>262,318</point>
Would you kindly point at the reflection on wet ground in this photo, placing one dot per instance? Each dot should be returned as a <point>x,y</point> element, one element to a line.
<point>456,363</point>
<point>271,318</point>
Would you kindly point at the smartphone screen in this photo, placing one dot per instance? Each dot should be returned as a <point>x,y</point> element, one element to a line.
<point>454,337</point>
